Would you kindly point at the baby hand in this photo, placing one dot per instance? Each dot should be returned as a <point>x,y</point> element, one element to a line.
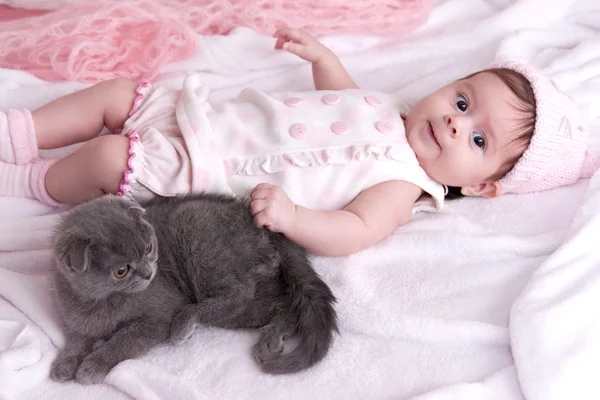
<point>300,43</point>
<point>272,208</point>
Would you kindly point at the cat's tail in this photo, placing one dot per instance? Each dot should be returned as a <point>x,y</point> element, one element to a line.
<point>312,302</point>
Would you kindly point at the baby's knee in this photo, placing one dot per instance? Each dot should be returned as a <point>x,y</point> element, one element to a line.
<point>109,160</point>
<point>122,93</point>
<point>122,86</point>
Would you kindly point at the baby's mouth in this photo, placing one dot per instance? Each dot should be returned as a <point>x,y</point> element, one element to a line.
<point>432,133</point>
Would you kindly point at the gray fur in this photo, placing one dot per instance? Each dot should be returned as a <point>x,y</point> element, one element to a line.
<point>207,264</point>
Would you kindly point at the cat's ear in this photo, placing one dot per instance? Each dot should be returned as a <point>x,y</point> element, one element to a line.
<point>136,210</point>
<point>76,255</point>
<point>80,258</point>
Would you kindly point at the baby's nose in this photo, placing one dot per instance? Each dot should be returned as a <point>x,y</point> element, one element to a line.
<point>451,123</point>
<point>455,124</point>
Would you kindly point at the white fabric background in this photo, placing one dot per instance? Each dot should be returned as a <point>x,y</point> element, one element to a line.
<point>489,299</point>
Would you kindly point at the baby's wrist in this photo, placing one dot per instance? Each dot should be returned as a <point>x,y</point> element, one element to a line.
<point>291,226</point>
<point>326,58</point>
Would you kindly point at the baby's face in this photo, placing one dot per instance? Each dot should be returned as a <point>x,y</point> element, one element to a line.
<point>463,133</point>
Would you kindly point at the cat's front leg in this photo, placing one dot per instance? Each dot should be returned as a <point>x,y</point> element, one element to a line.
<point>131,341</point>
<point>68,360</point>
<point>184,324</point>
<point>211,311</point>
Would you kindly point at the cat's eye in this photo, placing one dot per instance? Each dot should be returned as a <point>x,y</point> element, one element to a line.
<point>122,272</point>
<point>149,248</point>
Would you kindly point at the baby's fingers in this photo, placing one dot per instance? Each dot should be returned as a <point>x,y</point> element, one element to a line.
<point>261,191</point>
<point>261,219</point>
<point>298,49</point>
<point>279,43</point>
<point>257,206</point>
<point>263,185</point>
<point>291,35</point>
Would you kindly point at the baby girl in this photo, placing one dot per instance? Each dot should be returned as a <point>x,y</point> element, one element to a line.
<point>336,170</point>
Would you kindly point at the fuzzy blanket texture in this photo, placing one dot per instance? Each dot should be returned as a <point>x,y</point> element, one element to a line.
<point>486,300</point>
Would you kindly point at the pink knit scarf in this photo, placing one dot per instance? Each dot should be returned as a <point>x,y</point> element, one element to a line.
<point>90,41</point>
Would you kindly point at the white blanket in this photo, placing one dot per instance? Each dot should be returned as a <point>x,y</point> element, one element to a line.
<point>489,299</point>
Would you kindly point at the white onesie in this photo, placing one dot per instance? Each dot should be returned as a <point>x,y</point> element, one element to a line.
<point>322,147</point>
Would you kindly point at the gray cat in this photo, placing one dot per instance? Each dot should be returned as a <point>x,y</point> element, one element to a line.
<point>130,277</point>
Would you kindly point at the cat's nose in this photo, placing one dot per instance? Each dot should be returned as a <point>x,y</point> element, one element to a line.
<point>146,272</point>
<point>146,276</point>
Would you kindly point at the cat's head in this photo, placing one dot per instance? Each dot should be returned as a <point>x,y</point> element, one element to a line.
<point>106,246</point>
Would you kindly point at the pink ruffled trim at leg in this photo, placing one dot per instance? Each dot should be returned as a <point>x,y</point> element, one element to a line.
<point>127,185</point>
<point>141,91</point>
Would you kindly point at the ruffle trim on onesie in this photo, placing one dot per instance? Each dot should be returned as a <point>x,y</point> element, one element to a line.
<point>126,186</point>
<point>272,163</point>
<point>129,175</point>
<point>141,92</point>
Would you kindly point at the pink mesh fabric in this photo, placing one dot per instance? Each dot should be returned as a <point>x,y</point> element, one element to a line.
<point>9,13</point>
<point>90,41</point>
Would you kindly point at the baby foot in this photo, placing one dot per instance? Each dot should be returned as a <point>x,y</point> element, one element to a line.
<point>17,134</point>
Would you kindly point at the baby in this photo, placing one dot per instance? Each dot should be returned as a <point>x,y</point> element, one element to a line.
<point>335,170</point>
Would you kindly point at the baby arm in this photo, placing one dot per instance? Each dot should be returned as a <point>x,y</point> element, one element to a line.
<point>372,216</point>
<point>328,71</point>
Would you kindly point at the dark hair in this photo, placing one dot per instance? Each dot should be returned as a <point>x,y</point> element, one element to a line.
<point>521,88</point>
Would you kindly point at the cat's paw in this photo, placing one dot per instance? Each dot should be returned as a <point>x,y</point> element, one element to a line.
<point>183,325</point>
<point>180,333</point>
<point>92,370</point>
<point>266,350</point>
<point>64,368</point>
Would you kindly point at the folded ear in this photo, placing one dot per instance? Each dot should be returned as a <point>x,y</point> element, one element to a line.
<point>79,257</point>
<point>75,255</point>
<point>137,210</point>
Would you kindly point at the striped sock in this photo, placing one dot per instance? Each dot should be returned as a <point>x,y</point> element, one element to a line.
<point>27,180</point>
<point>18,143</point>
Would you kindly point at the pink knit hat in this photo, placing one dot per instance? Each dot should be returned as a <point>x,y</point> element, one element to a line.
<point>557,153</point>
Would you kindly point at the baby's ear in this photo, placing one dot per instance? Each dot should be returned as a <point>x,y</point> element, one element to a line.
<point>488,189</point>
<point>75,255</point>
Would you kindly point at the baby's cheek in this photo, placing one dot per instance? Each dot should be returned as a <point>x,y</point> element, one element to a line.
<point>458,170</point>
<point>434,168</point>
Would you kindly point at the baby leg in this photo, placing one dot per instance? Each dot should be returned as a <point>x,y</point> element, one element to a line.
<point>96,168</point>
<point>82,115</point>
<point>74,118</point>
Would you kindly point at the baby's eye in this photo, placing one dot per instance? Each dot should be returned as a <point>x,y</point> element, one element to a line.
<point>479,140</point>
<point>149,248</point>
<point>462,103</point>
<point>122,271</point>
